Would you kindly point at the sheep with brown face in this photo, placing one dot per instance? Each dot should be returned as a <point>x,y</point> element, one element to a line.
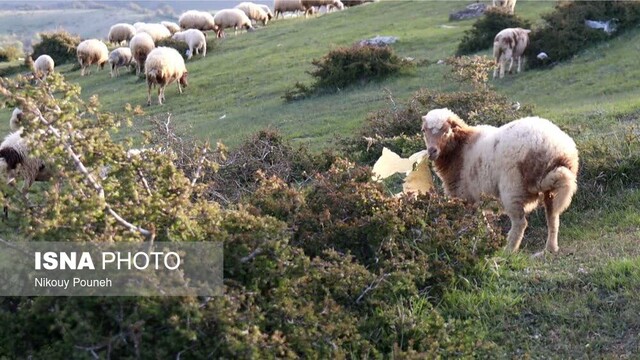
<point>522,164</point>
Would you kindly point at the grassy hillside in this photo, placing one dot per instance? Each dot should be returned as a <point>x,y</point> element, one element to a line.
<point>581,303</point>
<point>243,79</point>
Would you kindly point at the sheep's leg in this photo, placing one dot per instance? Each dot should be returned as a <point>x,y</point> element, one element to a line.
<point>160,94</point>
<point>553,222</point>
<point>511,65</point>
<point>179,87</point>
<point>204,49</point>
<point>148,93</point>
<point>502,66</point>
<point>518,225</point>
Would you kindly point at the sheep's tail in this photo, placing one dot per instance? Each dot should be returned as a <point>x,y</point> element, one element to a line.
<point>562,183</point>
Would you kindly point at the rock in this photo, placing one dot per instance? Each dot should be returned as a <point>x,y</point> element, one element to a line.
<point>379,41</point>
<point>471,11</point>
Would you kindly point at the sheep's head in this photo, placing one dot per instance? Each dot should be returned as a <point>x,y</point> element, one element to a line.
<point>44,173</point>
<point>183,79</point>
<point>17,118</point>
<point>438,128</point>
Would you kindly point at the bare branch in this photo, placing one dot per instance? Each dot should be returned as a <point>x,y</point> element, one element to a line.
<point>99,189</point>
<point>14,247</point>
<point>196,176</point>
<point>374,284</point>
<point>144,182</point>
<point>251,256</point>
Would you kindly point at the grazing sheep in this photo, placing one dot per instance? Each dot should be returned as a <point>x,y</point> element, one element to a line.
<point>157,31</point>
<point>43,66</point>
<point>91,52</point>
<point>231,18</point>
<point>164,65</point>
<point>171,26</point>
<point>254,12</point>
<point>195,39</point>
<point>308,5</point>
<point>121,32</point>
<point>118,58</point>
<point>507,4</point>
<point>15,159</point>
<point>282,6</point>
<point>141,45</point>
<point>521,163</point>
<point>508,44</point>
<point>266,9</point>
<point>194,19</point>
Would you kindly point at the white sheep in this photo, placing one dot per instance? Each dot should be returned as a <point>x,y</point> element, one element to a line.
<point>43,66</point>
<point>231,18</point>
<point>157,31</point>
<point>308,5</point>
<point>15,159</point>
<point>523,163</point>
<point>195,39</point>
<point>194,19</point>
<point>141,45</point>
<point>118,58</point>
<point>282,6</point>
<point>121,32</point>
<point>266,9</point>
<point>164,65</point>
<point>171,26</point>
<point>508,44</point>
<point>89,52</point>
<point>254,12</point>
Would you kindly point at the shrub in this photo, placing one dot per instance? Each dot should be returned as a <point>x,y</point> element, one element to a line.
<point>565,33</point>
<point>346,66</point>
<point>608,163</point>
<point>333,269</point>
<point>270,154</point>
<point>482,33</point>
<point>11,52</point>
<point>60,45</point>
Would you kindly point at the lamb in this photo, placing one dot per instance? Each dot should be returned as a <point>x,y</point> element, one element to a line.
<point>43,66</point>
<point>89,52</point>
<point>15,159</point>
<point>283,6</point>
<point>141,45</point>
<point>118,58</point>
<point>254,12</point>
<point>196,40</point>
<point>121,32</point>
<point>194,19</point>
<point>164,65</point>
<point>171,26</point>
<point>157,31</point>
<point>508,44</point>
<point>523,163</point>
<point>231,18</point>
<point>309,4</point>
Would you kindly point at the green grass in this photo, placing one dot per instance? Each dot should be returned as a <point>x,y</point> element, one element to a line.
<point>581,303</point>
